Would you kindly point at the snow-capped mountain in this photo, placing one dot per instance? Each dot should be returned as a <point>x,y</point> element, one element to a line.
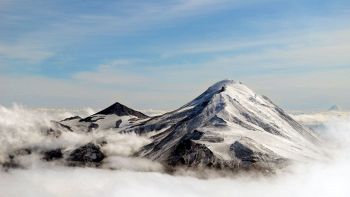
<point>228,126</point>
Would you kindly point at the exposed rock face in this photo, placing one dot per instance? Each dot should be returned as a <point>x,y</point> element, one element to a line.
<point>73,118</point>
<point>117,124</point>
<point>242,152</point>
<point>53,155</point>
<point>189,153</point>
<point>88,154</point>
<point>121,110</point>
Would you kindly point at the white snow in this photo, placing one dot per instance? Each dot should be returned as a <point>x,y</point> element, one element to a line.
<point>293,146</point>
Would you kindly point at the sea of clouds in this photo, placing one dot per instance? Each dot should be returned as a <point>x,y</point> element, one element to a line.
<point>23,127</point>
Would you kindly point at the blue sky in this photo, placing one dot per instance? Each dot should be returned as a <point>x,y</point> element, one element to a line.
<point>161,54</point>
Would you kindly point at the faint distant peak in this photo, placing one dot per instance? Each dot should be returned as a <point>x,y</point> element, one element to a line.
<point>334,108</point>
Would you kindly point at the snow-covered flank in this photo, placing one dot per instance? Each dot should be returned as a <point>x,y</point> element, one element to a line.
<point>230,125</point>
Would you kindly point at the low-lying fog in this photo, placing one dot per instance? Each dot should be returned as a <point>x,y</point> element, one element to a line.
<point>20,127</point>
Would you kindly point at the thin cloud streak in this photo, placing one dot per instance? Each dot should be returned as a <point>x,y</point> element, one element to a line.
<point>293,49</point>
<point>29,53</point>
<point>81,26</point>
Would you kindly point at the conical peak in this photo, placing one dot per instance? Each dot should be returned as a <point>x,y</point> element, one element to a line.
<point>231,88</point>
<point>116,107</point>
<point>121,110</point>
<point>217,88</point>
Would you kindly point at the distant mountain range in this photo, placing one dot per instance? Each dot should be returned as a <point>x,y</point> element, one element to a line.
<point>227,127</point>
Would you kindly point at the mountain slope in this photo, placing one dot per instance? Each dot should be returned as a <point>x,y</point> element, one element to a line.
<point>227,126</point>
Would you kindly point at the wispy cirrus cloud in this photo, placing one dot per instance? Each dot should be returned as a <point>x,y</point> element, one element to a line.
<point>62,29</point>
<point>117,72</point>
<point>25,52</point>
<point>286,50</point>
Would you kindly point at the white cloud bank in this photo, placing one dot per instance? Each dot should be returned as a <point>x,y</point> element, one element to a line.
<point>318,179</point>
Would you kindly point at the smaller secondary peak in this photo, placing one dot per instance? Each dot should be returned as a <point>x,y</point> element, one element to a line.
<point>121,110</point>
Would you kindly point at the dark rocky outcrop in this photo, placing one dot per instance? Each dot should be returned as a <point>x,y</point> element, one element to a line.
<point>72,118</point>
<point>191,154</point>
<point>117,124</point>
<point>212,139</point>
<point>89,154</point>
<point>121,110</point>
<point>52,155</point>
<point>243,153</point>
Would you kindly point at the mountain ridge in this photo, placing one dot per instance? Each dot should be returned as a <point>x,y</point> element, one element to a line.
<point>228,126</point>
